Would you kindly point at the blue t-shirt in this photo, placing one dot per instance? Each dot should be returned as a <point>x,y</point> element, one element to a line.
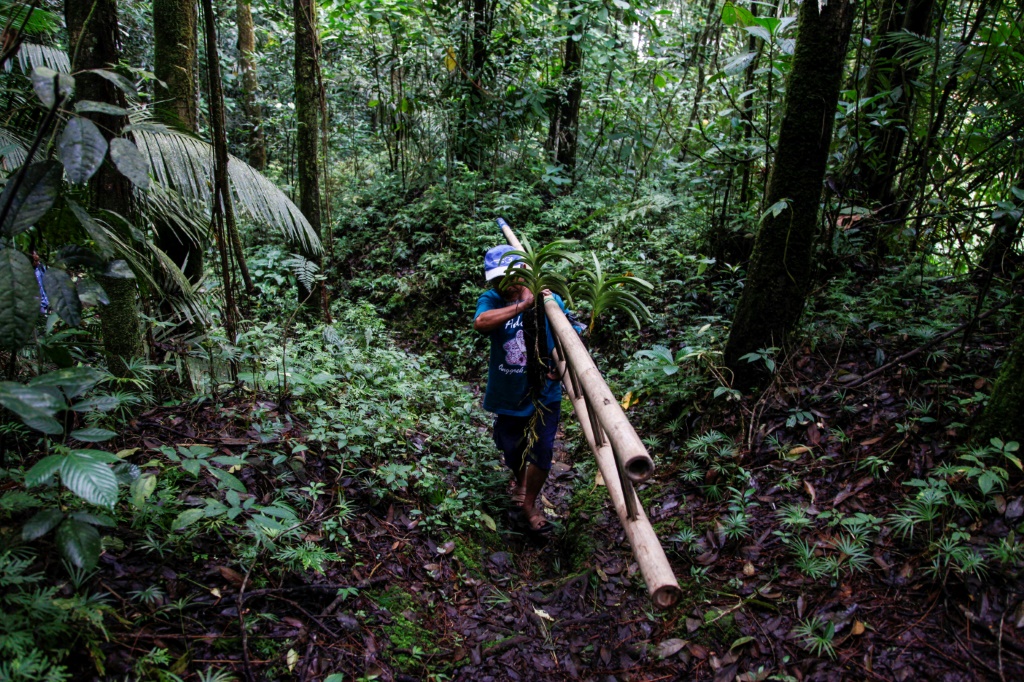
<point>507,389</point>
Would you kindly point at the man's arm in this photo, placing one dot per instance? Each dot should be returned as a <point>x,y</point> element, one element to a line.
<point>486,322</point>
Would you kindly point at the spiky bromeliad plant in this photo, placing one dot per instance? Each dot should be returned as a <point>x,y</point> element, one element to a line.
<point>536,272</point>
<point>605,293</point>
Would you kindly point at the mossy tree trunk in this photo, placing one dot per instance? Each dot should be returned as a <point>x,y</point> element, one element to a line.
<point>92,27</point>
<point>307,114</point>
<point>779,272</point>
<point>255,144</point>
<point>1003,416</point>
<point>175,40</point>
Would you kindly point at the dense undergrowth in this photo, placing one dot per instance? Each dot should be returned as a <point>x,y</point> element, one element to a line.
<point>791,517</point>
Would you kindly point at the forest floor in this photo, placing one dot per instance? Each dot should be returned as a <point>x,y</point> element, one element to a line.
<point>405,603</point>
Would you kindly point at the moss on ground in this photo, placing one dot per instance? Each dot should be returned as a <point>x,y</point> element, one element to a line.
<point>411,645</point>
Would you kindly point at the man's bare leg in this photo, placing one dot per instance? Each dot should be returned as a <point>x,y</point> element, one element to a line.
<point>533,483</point>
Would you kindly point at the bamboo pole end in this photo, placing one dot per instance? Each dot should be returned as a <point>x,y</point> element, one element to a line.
<point>666,596</point>
<point>639,469</point>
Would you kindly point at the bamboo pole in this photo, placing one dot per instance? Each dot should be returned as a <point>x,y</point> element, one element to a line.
<point>654,566</point>
<point>625,443</point>
<point>617,449</point>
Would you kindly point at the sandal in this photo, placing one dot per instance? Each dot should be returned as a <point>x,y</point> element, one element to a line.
<point>516,495</point>
<point>537,521</point>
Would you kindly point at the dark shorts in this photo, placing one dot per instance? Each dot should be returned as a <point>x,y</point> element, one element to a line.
<point>511,436</point>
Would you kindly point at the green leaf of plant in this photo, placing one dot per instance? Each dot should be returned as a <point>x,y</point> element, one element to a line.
<point>32,197</point>
<point>89,478</point>
<point>74,381</point>
<point>230,480</point>
<point>41,524</point>
<point>186,518</point>
<point>130,161</point>
<point>43,470</point>
<point>94,519</point>
<point>63,296</point>
<point>88,106</point>
<point>36,406</point>
<point>97,403</point>
<point>99,455</point>
<point>82,149</point>
<point>141,488</point>
<point>95,230</point>
<point>79,543</point>
<point>19,299</point>
<point>122,83</point>
<point>91,293</point>
<point>93,435</point>
<point>119,269</point>
<point>48,85</point>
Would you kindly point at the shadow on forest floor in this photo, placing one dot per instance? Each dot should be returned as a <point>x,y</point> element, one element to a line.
<point>401,603</point>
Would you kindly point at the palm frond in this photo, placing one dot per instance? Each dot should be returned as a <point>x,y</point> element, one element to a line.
<point>185,164</point>
<point>13,150</point>
<point>31,55</point>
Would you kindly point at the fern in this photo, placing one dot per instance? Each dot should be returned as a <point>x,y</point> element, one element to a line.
<point>305,270</point>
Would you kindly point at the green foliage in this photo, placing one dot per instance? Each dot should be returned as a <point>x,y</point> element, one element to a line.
<point>535,268</point>
<point>603,294</point>
<point>38,628</point>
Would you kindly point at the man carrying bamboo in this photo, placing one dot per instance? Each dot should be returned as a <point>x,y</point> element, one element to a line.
<point>526,415</point>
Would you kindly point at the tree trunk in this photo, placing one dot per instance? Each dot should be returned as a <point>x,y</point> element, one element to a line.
<point>562,135</point>
<point>223,211</point>
<point>92,26</point>
<point>174,63</point>
<point>307,114</point>
<point>1003,416</point>
<point>470,141</point>
<point>880,159</point>
<point>256,144</point>
<point>780,266</point>
<point>175,24</point>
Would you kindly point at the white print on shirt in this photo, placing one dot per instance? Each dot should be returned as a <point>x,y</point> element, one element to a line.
<point>515,350</point>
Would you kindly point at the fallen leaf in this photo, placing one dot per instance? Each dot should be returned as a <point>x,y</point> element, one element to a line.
<point>543,614</point>
<point>814,434</point>
<point>800,606</point>
<point>797,452</point>
<point>810,490</point>
<point>294,622</point>
<point>216,592</point>
<point>670,647</point>
<point>446,548</point>
<point>871,441</point>
<point>291,658</point>
<point>231,575</point>
<point>698,651</point>
<point>841,497</point>
<point>858,629</point>
<point>121,454</point>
